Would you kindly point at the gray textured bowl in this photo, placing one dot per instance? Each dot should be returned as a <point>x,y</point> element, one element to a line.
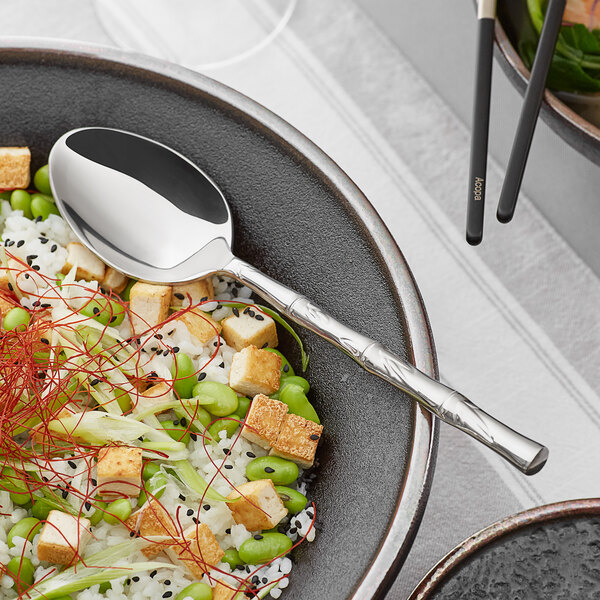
<point>299,218</point>
<point>547,552</point>
<point>557,110</point>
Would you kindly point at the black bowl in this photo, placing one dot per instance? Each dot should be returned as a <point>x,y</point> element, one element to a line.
<point>300,219</point>
<point>562,112</point>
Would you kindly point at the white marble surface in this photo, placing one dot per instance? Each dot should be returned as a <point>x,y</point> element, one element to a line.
<point>515,320</point>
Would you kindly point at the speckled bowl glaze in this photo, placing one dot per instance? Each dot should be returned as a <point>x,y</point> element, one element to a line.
<point>556,110</point>
<point>548,552</point>
<point>300,219</point>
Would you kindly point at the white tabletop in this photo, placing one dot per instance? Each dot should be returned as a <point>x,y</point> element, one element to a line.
<point>515,320</point>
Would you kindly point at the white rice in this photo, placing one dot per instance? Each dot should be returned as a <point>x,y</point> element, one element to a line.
<point>24,238</point>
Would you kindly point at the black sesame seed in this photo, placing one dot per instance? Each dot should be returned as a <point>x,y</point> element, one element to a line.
<point>31,257</point>
<point>246,310</point>
<point>94,482</point>
<point>183,422</point>
<point>255,579</point>
<point>251,313</point>
<point>94,382</point>
<point>113,319</point>
<point>175,349</point>
<point>153,574</point>
<point>153,375</point>
<point>228,531</point>
<point>26,275</point>
<point>35,267</point>
<point>250,455</point>
<point>167,594</point>
<point>176,422</point>
<point>53,248</point>
<point>314,436</point>
<point>10,287</point>
<point>20,243</point>
<point>226,451</point>
<point>36,303</point>
<point>206,507</point>
<point>265,580</point>
<point>131,533</point>
<point>286,368</point>
<point>179,295</point>
<point>38,219</point>
<point>236,312</point>
<point>182,497</point>
<point>46,305</point>
<point>72,464</point>
<point>259,318</point>
<point>135,579</point>
<point>11,243</point>
<point>171,332</point>
<point>201,376</point>
<point>154,348</point>
<point>265,345</point>
<point>229,466</point>
<point>204,299</point>
<point>190,512</point>
<point>159,352</point>
<point>88,506</point>
<point>65,494</point>
<point>193,436</point>
<point>310,514</point>
<point>222,365</point>
<point>234,293</point>
<point>195,520</point>
<point>159,336</point>
<point>141,438</point>
<point>292,531</point>
<point>269,470</point>
<point>95,310</point>
<point>258,536</point>
<point>216,344</point>
<point>247,569</point>
<point>167,582</point>
<point>298,524</point>
<point>43,240</point>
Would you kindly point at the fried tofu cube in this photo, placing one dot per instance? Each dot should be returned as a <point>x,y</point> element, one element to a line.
<point>89,266</point>
<point>158,393</point>
<point>264,420</point>
<point>222,591</point>
<point>259,506</point>
<point>200,325</point>
<point>63,538</point>
<point>155,520</point>
<point>255,371</point>
<point>196,291</point>
<point>115,280</point>
<point>297,440</point>
<point>149,305</point>
<point>14,167</point>
<point>119,471</point>
<point>244,330</point>
<point>199,551</point>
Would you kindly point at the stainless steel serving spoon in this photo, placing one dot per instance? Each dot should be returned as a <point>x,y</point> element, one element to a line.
<point>148,211</point>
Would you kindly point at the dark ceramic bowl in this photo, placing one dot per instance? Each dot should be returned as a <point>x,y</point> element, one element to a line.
<point>558,111</point>
<point>543,553</point>
<point>299,218</point>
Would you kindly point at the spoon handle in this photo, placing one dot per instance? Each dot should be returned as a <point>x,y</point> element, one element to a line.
<point>447,404</point>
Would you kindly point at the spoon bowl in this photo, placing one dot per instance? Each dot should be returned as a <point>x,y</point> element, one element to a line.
<point>121,191</point>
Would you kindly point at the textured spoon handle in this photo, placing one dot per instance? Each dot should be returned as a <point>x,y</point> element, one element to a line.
<point>450,406</point>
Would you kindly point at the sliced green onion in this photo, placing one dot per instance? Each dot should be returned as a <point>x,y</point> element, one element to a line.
<point>193,480</point>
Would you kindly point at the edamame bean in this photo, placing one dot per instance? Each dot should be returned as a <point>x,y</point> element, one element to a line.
<point>98,514</point>
<point>21,200</point>
<point>196,591</point>
<point>293,395</point>
<point>105,311</point>
<point>232,558</point>
<point>275,468</point>
<point>26,528</point>
<point>41,180</point>
<point>292,499</point>
<point>16,319</point>
<point>224,399</point>
<point>286,367</point>
<point>177,432</point>
<point>183,372</point>
<point>22,570</point>
<point>153,488</point>
<point>41,509</point>
<point>20,499</point>
<point>242,409</point>
<point>125,293</point>
<point>228,425</point>
<point>296,380</point>
<point>43,206</point>
<point>269,545</point>
<point>117,511</point>
<point>149,470</point>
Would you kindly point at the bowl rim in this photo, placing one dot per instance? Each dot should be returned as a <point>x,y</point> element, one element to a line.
<point>398,537</point>
<point>468,547</point>
<point>554,112</point>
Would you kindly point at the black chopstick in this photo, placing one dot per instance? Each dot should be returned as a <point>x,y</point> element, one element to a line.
<point>530,110</point>
<point>486,15</point>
